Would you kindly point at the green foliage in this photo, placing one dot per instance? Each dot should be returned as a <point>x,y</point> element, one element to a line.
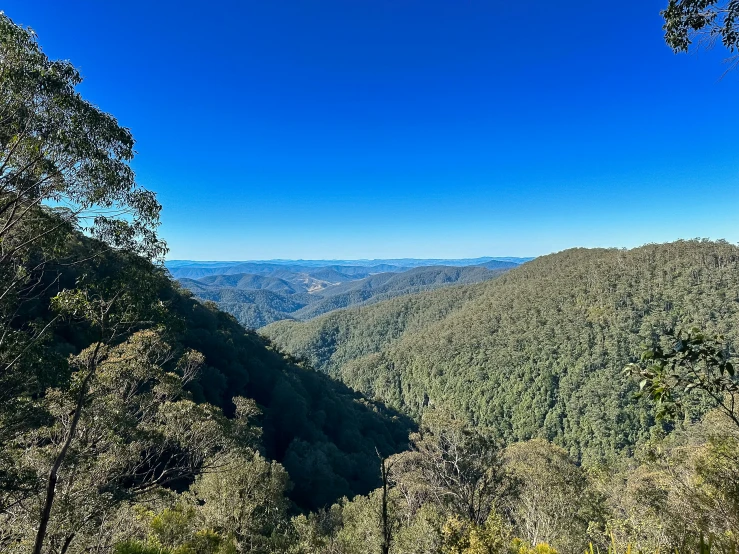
<point>114,384</point>
<point>465,537</point>
<point>135,413</point>
<point>336,427</point>
<point>244,499</point>
<point>679,493</point>
<point>172,525</point>
<point>385,286</point>
<point>704,21</point>
<point>361,529</point>
<point>332,341</point>
<point>421,531</point>
<point>427,490</point>
<point>64,165</point>
<point>543,511</point>
<point>175,531</point>
<point>137,420</point>
<point>316,532</point>
<point>693,364</point>
<point>121,430</point>
<point>57,147</point>
<point>521,547</point>
<point>537,352</point>
<point>324,433</point>
<point>134,547</point>
<point>455,466</point>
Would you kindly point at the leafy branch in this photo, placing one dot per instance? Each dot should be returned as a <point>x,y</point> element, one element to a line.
<point>694,363</point>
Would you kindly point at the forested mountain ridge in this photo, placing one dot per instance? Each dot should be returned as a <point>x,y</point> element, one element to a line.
<point>257,300</point>
<point>135,419</point>
<point>537,352</point>
<point>247,281</point>
<point>389,285</point>
<point>252,308</point>
<point>330,341</point>
<point>324,434</point>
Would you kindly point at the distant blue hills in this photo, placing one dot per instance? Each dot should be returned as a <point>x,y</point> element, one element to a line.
<point>260,292</point>
<point>398,262</point>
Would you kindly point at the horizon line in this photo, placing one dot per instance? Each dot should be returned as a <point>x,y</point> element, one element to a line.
<point>492,258</point>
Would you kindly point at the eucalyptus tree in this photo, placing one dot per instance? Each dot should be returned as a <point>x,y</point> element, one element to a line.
<point>703,23</point>
<point>245,501</point>
<point>453,466</point>
<point>554,504</point>
<point>57,149</point>
<point>683,370</point>
<point>124,430</point>
<point>64,168</point>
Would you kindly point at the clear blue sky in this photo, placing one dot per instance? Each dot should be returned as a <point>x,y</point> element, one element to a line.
<point>419,128</point>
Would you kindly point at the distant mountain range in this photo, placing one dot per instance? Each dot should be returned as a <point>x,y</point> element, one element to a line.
<point>258,293</point>
<point>397,263</point>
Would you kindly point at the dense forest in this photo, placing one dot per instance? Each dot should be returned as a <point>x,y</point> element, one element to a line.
<point>566,406</point>
<point>537,352</point>
<point>299,293</point>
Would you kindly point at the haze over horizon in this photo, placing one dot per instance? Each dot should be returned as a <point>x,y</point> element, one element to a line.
<point>376,129</point>
<point>405,258</point>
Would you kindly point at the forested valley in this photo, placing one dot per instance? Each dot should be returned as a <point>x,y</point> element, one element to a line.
<point>537,352</point>
<point>275,292</point>
<point>584,401</point>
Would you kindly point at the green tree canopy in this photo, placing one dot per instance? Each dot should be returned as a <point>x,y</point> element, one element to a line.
<point>704,22</point>
<point>60,150</point>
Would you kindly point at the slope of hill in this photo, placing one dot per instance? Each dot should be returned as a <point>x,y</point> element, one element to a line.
<point>322,432</point>
<point>284,295</point>
<point>503,264</point>
<point>536,352</point>
<point>390,285</point>
<point>247,281</point>
<point>253,308</point>
<point>331,341</point>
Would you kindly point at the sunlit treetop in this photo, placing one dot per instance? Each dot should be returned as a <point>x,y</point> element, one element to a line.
<point>702,23</point>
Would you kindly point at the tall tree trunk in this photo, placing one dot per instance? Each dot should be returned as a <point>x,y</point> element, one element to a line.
<point>386,530</point>
<point>59,460</point>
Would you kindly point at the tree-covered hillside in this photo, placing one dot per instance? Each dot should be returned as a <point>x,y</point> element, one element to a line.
<point>112,377</point>
<point>253,308</point>
<point>135,419</point>
<point>538,352</point>
<point>390,285</point>
<point>248,281</point>
<point>322,432</point>
<point>332,340</point>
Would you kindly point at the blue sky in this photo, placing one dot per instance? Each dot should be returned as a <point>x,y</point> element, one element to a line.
<point>408,128</point>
